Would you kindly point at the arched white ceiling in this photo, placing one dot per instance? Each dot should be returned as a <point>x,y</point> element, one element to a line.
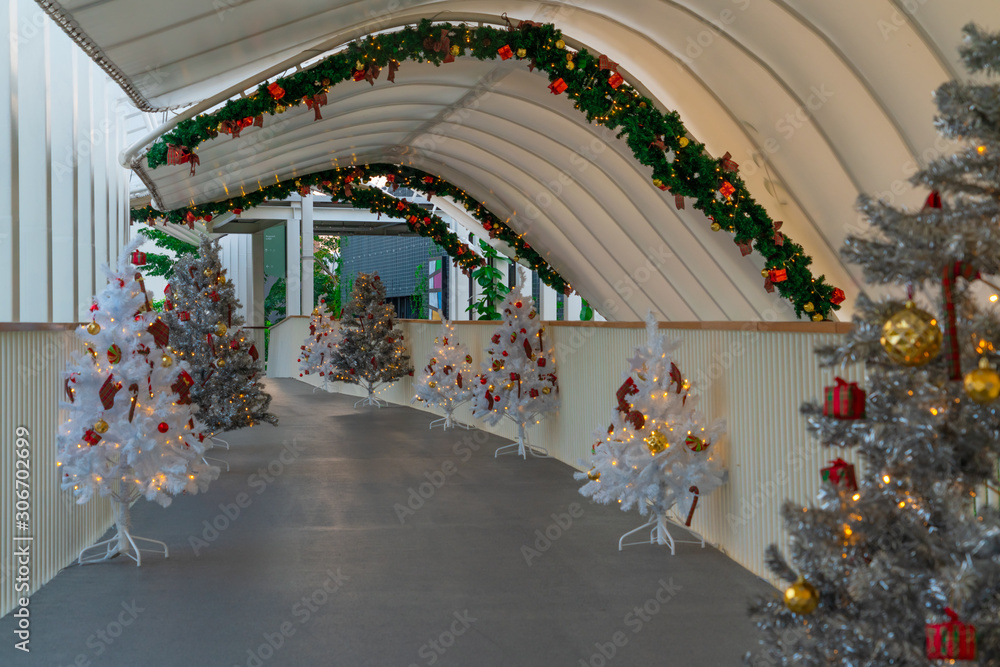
<point>816,101</point>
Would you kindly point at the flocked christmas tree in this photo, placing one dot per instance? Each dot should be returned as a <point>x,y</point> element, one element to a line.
<point>659,451</point>
<point>902,566</point>
<point>447,378</point>
<point>369,352</point>
<point>519,381</point>
<point>207,331</point>
<point>131,430</point>
<point>316,351</point>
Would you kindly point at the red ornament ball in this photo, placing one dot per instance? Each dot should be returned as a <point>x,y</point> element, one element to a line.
<point>482,380</point>
<point>504,353</point>
<point>524,331</point>
<point>517,304</point>
<point>163,427</point>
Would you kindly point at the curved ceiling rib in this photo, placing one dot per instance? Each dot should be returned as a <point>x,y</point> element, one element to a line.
<point>817,102</point>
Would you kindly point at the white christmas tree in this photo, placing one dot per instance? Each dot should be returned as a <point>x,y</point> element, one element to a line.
<point>519,382</point>
<point>316,351</point>
<point>448,378</point>
<point>658,452</point>
<point>369,352</point>
<point>131,430</point>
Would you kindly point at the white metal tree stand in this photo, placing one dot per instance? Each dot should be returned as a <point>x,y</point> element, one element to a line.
<point>522,448</point>
<point>660,534</point>
<point>448,420</point>
<point>371,399</point>
<point>123,542</point>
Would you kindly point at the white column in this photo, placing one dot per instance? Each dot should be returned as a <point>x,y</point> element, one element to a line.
<point>574,304</point>
<point>61,75</point>
<point>85,267</point>
<point>32,215</point>
<point>293,265</point>
<point>308,287</point>
<point>8,254</point>
<point>547,305</point>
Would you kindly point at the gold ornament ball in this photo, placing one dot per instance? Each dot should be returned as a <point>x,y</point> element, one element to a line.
<point>93,328</point>
<point>222,280</point>
<point>220,363</point>
<point>221,329</point>
<point>911,337</point>
<point>101,426</point>
<point>764,273</point>
<point>546,390</point>
<point>166,360</point>
<point>570,65</point>
<point>983,384</point>
<point>521,53</point>
<point>432,384</point>
<point>683,141</point>
<point>801,597</point>
<point>560,44</point>
<point>657,182</point>
<point>656,442</point>
<point>456,50</point>
<point>716,226</point>
<point>207,272</point>
<point>809,307</point>
<point>315,312</point>
<point>818,317</point>
<point>593,475</point>
<point>509,386</point>
<point>359,65</point>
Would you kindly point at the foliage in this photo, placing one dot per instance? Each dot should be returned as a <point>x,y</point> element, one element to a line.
<point>420,292</point>
<point>274,303</point>
<point>492,289</point>
<point>163,265</point>
<point>657,139</point>
<point>586,312</point>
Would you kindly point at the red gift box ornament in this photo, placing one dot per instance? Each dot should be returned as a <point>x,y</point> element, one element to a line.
<point>91,437</point>
<point>276,91</point>
<point>840,473</point>
<point>777,275</point>
<point>138,258</point>
<point>505,52</point>
<point>844,400</point>
<point>184,316</point>
<point>558,86</point>
<point>615,80</point>
<point>234,344</point>
<point>837,297</point>
<point>180,155</point>
<point>952,640</point>
<point>727,189</point>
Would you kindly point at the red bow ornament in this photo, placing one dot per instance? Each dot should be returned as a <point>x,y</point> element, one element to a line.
<point>314,103</point>
<point>180,155</point>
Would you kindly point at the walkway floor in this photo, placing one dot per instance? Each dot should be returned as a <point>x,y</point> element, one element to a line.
<point>322,566</point>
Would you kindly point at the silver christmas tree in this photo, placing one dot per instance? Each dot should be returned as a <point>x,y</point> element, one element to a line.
<point>902,566</point>
<point>369,351</point>
<point>207,331</point>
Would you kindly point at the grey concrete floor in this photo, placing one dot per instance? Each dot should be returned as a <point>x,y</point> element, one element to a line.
<point>327,564</point>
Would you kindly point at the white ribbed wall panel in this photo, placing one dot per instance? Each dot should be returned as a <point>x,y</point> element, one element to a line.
<point>754,379</point>
<point>30,390</point>
<point>63,196</point>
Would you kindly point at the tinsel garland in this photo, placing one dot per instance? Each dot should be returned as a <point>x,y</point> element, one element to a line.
<point>657,139</point>
<point>333,181</point>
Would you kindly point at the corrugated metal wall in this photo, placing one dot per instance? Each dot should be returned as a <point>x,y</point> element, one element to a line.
<point>30,390</point>
<point>754,376</point>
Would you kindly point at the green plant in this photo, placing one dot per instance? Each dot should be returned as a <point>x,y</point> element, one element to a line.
<point>163,265</point>
<point>420,292</point>
<point>274,303</point>
<point>492,289</point>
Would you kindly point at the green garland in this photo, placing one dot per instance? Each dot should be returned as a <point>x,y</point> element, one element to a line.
<point>657,139</point>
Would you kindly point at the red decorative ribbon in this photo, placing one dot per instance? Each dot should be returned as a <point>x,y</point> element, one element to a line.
<point>440,45</point>
<point>728,164</point>
<point>745,247</point>
<point>314,103</point>
<point>605,63</point>
<point>950,274</point>
<point>779,238</point>
<point>180,155</point>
